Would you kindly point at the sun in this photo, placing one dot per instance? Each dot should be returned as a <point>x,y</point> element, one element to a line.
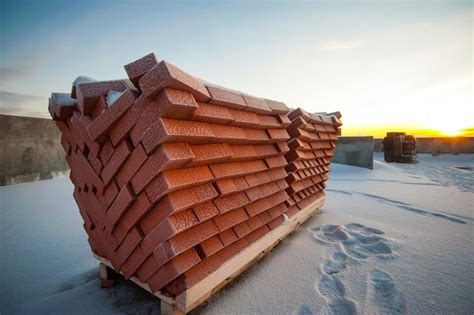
<point>451,132</point>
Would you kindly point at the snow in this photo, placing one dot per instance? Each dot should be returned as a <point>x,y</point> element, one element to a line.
<point>397,239</point>
<point>83,79</point>
<point>112,96</point>
<point>65,99</point>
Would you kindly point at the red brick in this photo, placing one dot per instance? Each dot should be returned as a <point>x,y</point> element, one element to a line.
<point>277,107</point>
<point>136,258</point>
<point>164,75</point>
<point>242,229</point>
<point>165,230</point>
<point>124,125</point>
<point>179,242</point>
<point>244,153</point>
<point>278,135</point>
<point>147,269</point>
<point>126,248</point>
<point>233,249</point>
<point>297,144</point>
<point>297,113</point>
<point>228,237</point>
<point>275,162</point>
<point>257,136</point>
<point>225,186</point>
<point>278,173</point>
<point>301,134</point>
<point>89,204</point>
<point>214,114</point>
<point>229,219</point>
<point>136,211</point>
<point>253,194</point>
<point>119,156</point>
<point>95,163</point>
<point>273,224</point>
<point>253,166</point>
<point>170,130</point>
<point>266,203</point>
<point>119,206</point>
<point>205,211</point>
<point>135,70</point>
<point>240,183</point>
<point>264,217</point>
<point>106,152</point>
<point>105,121</point>
<point>167,156</point>
<point>257,234</point>
<point>87,94</point>
<point>99,107</point>
<point>227,170</point>
<point>205,154</point>
<point>172,180</point>
<point>183,220</point>
<point>211,246</point>
<point>254,223</point>
<point>131,166</point>
<point>204,192</point>
<point>168,104</point>
<point>82,166</point>
<point>282,184</point>
<point>61,106</point>
<point>88,224</point>
<point>77,131</point>
<point>226,97</point>
<point>231,202</point>
<point>229,134</point>
<point>67,135</point>
<point>111,192</point>
<point>245,119</point>
<point>173,202</point>
<point>277,210</point>
<point>205,230</point>
<point>292,210</point>
<point>194,275</point>
<point>266,150</point>
<point>256,105</point>
<point>284,121</point>
<point>270,122</point>
<point>173,269</point>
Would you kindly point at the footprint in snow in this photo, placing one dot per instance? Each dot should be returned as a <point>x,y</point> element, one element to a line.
<point>355,243</point>
<point>333,291</point>
<point>355,240</point>
<point>382,294</point>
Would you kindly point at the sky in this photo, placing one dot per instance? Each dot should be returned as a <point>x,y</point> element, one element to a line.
<point>386,65</point>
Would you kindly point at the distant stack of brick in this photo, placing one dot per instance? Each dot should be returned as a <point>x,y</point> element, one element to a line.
<point>399,147</point>
<point>174,176</point>
<point>313,139</point>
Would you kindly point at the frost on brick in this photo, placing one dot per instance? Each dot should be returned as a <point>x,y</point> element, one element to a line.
<point>112,96</point>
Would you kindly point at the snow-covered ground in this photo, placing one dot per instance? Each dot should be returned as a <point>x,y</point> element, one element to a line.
<point>398,239</point>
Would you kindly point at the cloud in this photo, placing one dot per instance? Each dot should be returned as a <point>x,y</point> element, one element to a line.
<point>8,73</point>
<point>341,45</point>
<point>23,105</point>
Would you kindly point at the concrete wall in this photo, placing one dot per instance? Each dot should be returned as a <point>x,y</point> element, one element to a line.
<point>356,151</point>
<point>438,145</point>
<point>30,150</point>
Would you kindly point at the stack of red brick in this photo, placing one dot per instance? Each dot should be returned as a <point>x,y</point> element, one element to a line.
<point>172,176</point>
<point>313,139</point>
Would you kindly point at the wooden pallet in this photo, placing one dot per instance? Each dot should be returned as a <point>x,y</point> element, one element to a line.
<point>199,293</point>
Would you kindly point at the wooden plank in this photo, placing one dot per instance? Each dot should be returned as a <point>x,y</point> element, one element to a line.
<point>194,296</point>
<point>191,298</point>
